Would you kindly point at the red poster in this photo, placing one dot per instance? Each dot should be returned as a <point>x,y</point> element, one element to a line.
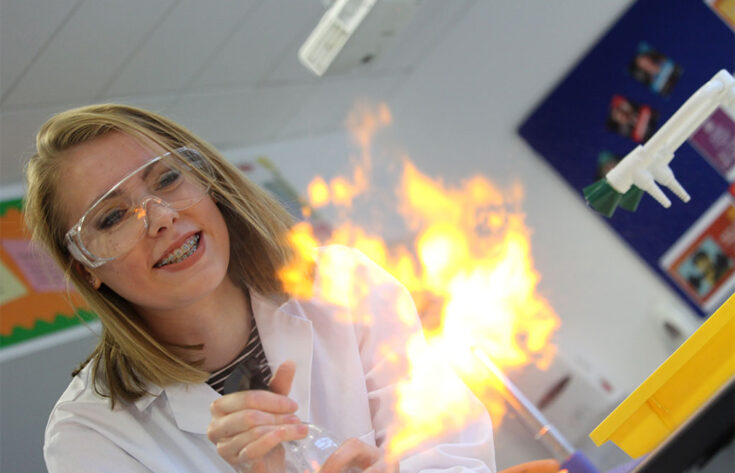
<point>702,261</point>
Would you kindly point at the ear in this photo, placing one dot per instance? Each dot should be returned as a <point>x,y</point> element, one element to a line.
<point>88,276</point>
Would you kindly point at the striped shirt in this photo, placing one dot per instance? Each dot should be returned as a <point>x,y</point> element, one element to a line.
<point>252,355</point>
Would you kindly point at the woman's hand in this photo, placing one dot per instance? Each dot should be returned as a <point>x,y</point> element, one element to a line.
<point>355,455</point>
<point>247,425</point>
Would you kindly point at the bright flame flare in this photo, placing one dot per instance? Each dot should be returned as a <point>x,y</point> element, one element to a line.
<point>340,191</point>
<point>473,282</point>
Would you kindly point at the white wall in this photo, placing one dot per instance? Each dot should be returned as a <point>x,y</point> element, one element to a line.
<point>457,115</point>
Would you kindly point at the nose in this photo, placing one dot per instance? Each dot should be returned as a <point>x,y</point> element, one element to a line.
<point>158,215</point>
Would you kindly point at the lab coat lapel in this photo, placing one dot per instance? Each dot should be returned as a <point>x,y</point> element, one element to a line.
<point>286,334</point>
<point>190,405</point>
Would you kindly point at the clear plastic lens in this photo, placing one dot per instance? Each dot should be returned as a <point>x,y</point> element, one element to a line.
<point>117,222</point>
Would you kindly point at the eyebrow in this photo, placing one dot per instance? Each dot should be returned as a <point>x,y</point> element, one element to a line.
<point>149,169</point>
<point>115,191</point>
<point>105,196</point>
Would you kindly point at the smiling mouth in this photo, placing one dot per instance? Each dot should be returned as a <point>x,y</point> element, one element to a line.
<point>180,253</point>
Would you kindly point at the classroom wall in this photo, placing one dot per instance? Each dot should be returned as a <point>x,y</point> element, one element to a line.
<point>457,115</point>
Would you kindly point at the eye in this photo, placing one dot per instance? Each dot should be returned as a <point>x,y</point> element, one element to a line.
<point>111,218</point>
<point>194,158</point>
<point>168,179</point>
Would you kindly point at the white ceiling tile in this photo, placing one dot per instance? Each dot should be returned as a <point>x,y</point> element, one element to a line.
<point>180,46</point>
<point>290,70</point>
<point>23,33</point>
<point>231,74</point>
<point>88,51</point>
<point>238,118</point>
<point>413,41</point>
<point>275,28</point>
<point>419,36</point>
<point>327,108</point>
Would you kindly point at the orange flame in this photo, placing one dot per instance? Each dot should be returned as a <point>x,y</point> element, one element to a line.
<point>469,271</point>
<point>341,191</point>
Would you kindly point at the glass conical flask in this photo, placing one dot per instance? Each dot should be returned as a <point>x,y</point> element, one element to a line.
<point>307,455</point>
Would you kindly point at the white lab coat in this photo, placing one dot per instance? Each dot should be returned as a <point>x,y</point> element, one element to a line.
<point>343,382</point>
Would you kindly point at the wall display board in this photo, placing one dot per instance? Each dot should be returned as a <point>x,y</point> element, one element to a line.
<point>627,85</point>
<point>34,300</point>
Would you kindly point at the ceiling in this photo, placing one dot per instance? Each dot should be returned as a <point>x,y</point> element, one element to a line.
<point>228,69</point>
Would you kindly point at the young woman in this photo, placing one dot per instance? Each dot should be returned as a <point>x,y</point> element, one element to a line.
<point>178,254</point>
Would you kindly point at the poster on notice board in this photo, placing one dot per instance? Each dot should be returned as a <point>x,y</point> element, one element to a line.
<point>652,59</point>
<point>34,297</point>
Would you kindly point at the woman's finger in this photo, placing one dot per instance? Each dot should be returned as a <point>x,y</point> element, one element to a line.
<point>256,399</point>
<point>352,453</point>
<point>243,421</point>
<point>230,448</point>
<point>381,466</point>
<point>272,437</point>
<point>247,425</point>
<point>272,462</point>
<point>283,378</point>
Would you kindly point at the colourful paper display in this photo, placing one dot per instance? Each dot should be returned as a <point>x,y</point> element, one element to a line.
<point>34,300</point>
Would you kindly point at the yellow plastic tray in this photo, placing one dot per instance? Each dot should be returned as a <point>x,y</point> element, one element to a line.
<point>672,393</point>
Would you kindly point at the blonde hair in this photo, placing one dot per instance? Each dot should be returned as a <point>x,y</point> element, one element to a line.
<point>127,356</point>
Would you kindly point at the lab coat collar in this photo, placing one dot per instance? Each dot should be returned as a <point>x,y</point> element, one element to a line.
<point>189,404</point>
<point>153,391</point>
<point>285,333</point>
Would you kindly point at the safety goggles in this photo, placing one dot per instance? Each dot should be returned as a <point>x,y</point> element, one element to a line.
<point>119,219</point>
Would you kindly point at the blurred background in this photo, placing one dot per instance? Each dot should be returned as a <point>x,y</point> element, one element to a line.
<point>458,77</point>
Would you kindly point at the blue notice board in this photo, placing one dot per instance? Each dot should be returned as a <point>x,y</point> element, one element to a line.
<point>636,76</point>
